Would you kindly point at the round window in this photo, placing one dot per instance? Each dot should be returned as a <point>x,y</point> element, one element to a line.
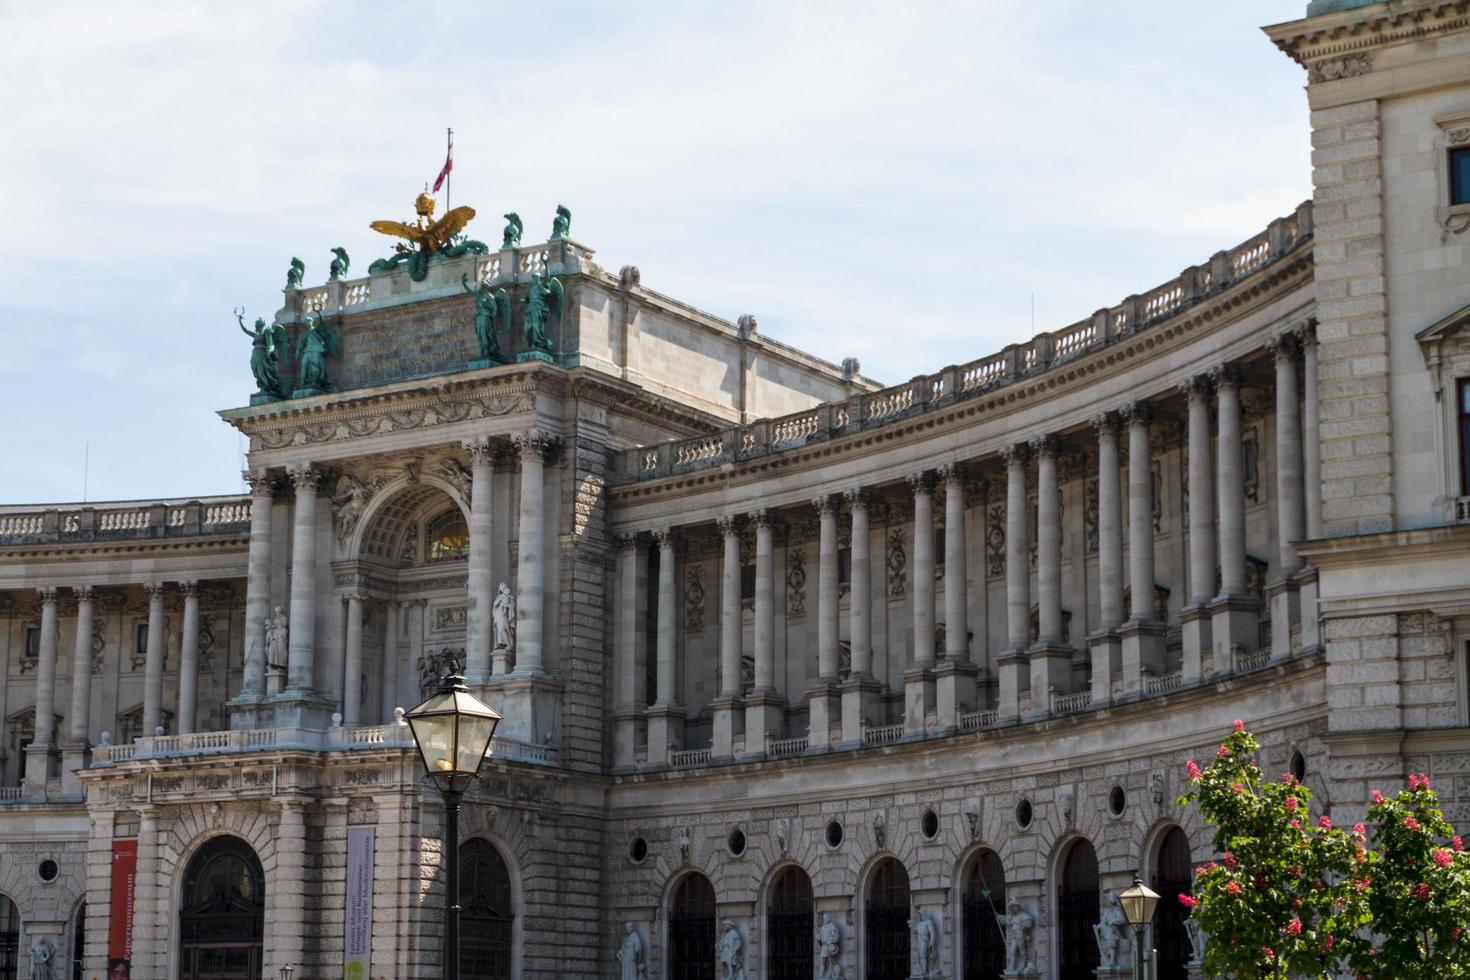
<point>1023,814</point>
<point>929,824</point>
<point>736,842</point>
<point>48,870</point>
<point>1117,801</point>
<point>834,834</point>
<point>638,850</point>
<point>1298,766</point>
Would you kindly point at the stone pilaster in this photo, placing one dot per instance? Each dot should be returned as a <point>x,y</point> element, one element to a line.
<point>1283,592</point>
<point>1233,613</point>
<point>764,706</point>
<point>530,570</point>
<point>954,676</point>
<point>352,665</point>
<point>1012,661</point>
<point>74,750</point>
<point>189,659</point>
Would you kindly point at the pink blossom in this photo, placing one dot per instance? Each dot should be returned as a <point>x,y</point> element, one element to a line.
<point>1413,780</point>
<point>1359,829</point>
<point>1410,823</point>
<point>1233,888</point>
<point>1457,843</point>
<point>1455,933</point>
<point>1377,797</point>
<point>1239,725</point>
<point>1328,941</point>
<point>1421,892</point>
<point>1188,901</point>
<point>1443,857</point>
<point>1296,825</point>
<point>1291,804</point>
<point>1193,769</point>
<point>1223,752</point>
<point>1270,953</point>
<point>1361,884</point>
<point>1294,927</point>
<point>1229,859</point>
<point>1325,822</point>
<point>1238,787</point>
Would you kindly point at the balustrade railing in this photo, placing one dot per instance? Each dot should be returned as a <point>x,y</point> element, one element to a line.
<point>123,520</point>
<point>1043,351</point>
<point>10,793</point>
<point>785,748</point>
<point>974,721</point>
<point>684,758</point>
<point>1162,683</point>
<point>882,735</point>
<point>1065,704</point>
<point>1253,660</point>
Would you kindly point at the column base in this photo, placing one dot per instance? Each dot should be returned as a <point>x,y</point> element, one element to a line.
<point>296,708</point>
<point>73,758</point>
<point>862,704</point>
<point>665,732</point>
<point>727,718</point>
<point>1235,627</point>
<point>1284,595</point>
<point>530,706</point>
<point>824,706</point>
<point>765,718</point>
<point>1106,648</point>
<point>502,661</point>
<point>955,693</point>
<point>1051,670</point>
<point>1143,652</point>
<point>1194,627</point>
<point>918,695</point>
<point>625,736</point>
<point>38,771</point>
<point>244,711</point>
<point>1012,666</point>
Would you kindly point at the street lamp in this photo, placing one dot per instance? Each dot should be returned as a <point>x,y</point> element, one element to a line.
<point>1138,903</point>
<point>452,729</point>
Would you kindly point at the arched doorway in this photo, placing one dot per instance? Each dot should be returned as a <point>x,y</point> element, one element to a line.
<point>222,916</point>
<point>985,897</point>
<point>487,913</point>
<point>692,930</point>
<point>1077,913</point>
<point>1171,878</point>
<point>886,923</point>
<point>9,939</point>
<point>78,941</point>
<point>789,926</point>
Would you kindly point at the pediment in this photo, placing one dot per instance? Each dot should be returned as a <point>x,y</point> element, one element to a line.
<point>1448,328</point>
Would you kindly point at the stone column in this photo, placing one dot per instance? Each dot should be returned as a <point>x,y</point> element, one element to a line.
<point>1104,643</point>
<point>823,697</point>
<point>392,631</point>
<point>352,664</point>
<point>415,653</point>
<point>954,676</point>
<point>1311,434</point>
<point>1283,591</point>
<point>38,753</point>
<point>153,662</point>
<point>628,704</point>
<point>1142,634</point>
<point>286,924</point>
<point>764,707</point>
<point>479,579</point>
<point>918,678</point>
<point>81,669</point>
<point>666,715</point>
<point>861,691</point>
<point>257,597</point>
<point>530,570</point>
<point>724,707</point>
<point>1194,617</point>
<point>1050,656</point>
<point>1234,612</point>
<point>189,659</point>
<point>149,890</point>
<point>1011,661</point>
<point>301,636</point>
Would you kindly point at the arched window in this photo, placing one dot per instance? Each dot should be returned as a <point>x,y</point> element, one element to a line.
<point>692,930</point>
<point>9,939</point>
<point>789,925</point>
<point>886,923</point>
<point>487,916</point>
<point>1078,912</point>
<point>448,536</point>
<point>1171,879</point>
<point>985,898</point>
<point>222,918</point>
<point>78,941</point>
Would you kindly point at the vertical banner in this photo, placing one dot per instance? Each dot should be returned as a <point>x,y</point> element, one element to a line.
<point>357,950</point>
<point>120,909</point>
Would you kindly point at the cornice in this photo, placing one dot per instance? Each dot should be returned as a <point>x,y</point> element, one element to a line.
<point>227,544</point>
<point>1313,39</point>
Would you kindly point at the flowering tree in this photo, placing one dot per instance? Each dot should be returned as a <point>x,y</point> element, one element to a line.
<point>1295,896</point>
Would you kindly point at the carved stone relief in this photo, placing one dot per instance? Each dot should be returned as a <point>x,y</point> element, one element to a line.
<point>694,595</point>
<point>897,563</point>
<point>995,541</point>
<point>795,582</point>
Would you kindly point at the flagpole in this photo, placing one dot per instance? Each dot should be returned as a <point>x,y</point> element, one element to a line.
<point>449,185</point>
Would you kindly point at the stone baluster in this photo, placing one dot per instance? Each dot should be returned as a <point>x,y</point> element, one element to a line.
<point>395,615</point>
<point>1194,616</point>
<point>352,664</point>
<point>1143,633</point>
<point>918,678</point>
<point>153,662</point>
<point>1234,612</point>
<point>257,596</point>
<point>301,637</point>
<point>630,690</point>
<point>1012,662</point>
<point>479,578</point>
<point>1284,591</point>
<point>189,659</point>
<point>1050,656</point>
<point>861,692</point>
<point>533,445</point>
<point>666,715</point>
<point>724,707</point>
<point>823,698</point>
<point>79,723</point>
<point>954,676</point>
<point>38,753</point>
<point>764,707</point>
<point>1105,644</point>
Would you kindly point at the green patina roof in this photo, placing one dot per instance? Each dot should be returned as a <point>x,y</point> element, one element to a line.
<point>1316,7</point>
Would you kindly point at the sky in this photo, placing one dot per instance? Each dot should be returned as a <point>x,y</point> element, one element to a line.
<point>898,182</point>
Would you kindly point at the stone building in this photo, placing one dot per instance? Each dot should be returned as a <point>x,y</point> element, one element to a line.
<point>805,676</point>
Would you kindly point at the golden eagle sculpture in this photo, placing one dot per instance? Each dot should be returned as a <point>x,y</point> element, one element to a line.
<point>426,239</point>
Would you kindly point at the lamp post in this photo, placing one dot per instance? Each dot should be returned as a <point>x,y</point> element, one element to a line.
<point>452,730</point>
<point>1138,903</point>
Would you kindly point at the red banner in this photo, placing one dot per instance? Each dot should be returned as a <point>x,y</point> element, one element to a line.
<point>120,925</point>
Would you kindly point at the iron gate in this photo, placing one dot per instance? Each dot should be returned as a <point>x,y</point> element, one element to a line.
<point>985,946</point>
<point>692,930</point>
<point>790,927</point>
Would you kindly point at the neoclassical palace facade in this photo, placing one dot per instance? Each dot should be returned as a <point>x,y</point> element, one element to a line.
<point>801,676</point>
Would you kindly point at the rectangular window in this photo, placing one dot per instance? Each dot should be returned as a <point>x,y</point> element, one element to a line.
<point>33,642</point>
<point>747,583</point>
<point>142,639</point>
<point>1462,413</point>
<point>939,547</point>
<point>1460,175</point>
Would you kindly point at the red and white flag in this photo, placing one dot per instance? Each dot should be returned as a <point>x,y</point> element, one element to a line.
<point>448,164</point>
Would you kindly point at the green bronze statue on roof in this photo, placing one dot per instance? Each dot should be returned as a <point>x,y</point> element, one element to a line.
<point>265,342</point>
<point>513,229</point>
<point>492,314</point>
<point>339,264</point>
<point>561,225</point>
<point>544,301</point>
<point>315,343</point>
<point>294,274</point>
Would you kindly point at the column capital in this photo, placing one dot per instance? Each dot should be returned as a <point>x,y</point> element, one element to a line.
<point>534,442</point>
<point>357,597</point>
<point>729,525</point>
<point>1305,332</point>
<point>1197,388</point>
<point>1044,446</point>
<point>1138,413</point>
<point>857,498</point>
<point>625,542</point>
<point>1283,345</point>
<point>304,476</point>
<point>263,482</point>
<point>761,518</point>
<point>479,448</point>
<point>48,593</point>
<point>83,593</point>
<point>154,590</point>
<point>1105,423</point>
<point>826,505</point>
<point>1016,454</point>
<point>664,537</point>
<point>1225,376</point>
<point>189,590</point>
<point>950,473</point>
